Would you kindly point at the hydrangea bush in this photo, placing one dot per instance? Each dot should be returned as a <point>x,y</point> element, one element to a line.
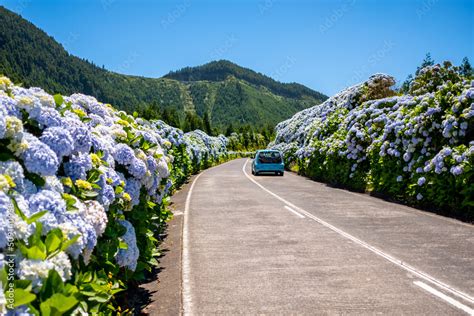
<point>416,148</point>
<point>83,195</point>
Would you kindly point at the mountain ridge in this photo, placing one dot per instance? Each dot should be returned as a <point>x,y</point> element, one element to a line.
<point>32,57</point>
<point>219,70</point>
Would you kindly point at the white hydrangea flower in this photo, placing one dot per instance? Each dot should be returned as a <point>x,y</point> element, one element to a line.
<point>37,270</point>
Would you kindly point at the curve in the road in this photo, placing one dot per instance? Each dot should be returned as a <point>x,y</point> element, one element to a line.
<point>313,199</point>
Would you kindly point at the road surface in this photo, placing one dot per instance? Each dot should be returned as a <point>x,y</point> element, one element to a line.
<point>288,245</point>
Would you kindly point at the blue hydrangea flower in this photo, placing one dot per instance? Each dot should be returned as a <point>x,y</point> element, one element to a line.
<point>95,120</point>
<point>59,140</point>
<point>78,166</point>
<point>133,187</point>
<point>112,175</point>
<point>46,200</point>
<point>9,106</point>
<point>3,125</point>
<point>152,164</point>
<point>97,108</point>
<point>88,239</point>
<point>46,116</point>
<point>128,257</point>
<point>14,170</point>
<point>421,181</point>
<point>80,134</point>
<point>154,186</point>
<point>27,189</point>
<point>137,168</point>
<point>123,154</point>
<point>39,158</point>
<point>106,195</point>
<point>456,170</point>
<point>5,227</point>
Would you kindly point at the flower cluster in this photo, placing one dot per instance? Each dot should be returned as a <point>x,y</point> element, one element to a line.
<point>418,146</point>
<point>76,176</point>
<point>201,146</point>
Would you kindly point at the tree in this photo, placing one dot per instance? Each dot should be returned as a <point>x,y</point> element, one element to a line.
<point>466,68</point>
<point>207,124</point>
<point>428,61</point>
<point>229,130</point>
<point>406,84</point>
<point>170,117</point>
<point>192,122</point>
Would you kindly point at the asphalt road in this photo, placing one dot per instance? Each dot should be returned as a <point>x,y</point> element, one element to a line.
<point>287,245</point>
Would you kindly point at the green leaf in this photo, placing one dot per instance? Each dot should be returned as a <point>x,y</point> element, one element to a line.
<point>70,289</point>
<point>53,242</point>
<point>58,99</point>
<point>87,277</point>
<point>36,179</point>
<point>33,218</point>
<point>5,156</point>
<point>18,211</point>
<point>118,190</point>
<point>3,276</point>
<point>123,245</point>
<point>45,308</point>
<point>68,243</point>
<point>23,284</point>
<point>88,293</point>
<point>89,194</point>
<point>53,284</point>
<point>23,297</point>
<point>33,311</point>
<point>94,176</point>
<point>36,253</point>
<point>100,299</point>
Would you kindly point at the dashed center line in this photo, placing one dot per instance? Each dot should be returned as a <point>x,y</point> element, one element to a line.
<point>397,262</point>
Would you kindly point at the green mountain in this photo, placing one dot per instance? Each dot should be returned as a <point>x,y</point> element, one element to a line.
<point>220,93</point>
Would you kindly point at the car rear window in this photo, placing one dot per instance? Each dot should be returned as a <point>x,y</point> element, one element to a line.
<point>269,157</point>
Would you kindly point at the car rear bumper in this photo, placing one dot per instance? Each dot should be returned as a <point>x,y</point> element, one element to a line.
<point>269,167</point>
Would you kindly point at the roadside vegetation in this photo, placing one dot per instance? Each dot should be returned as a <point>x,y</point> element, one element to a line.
<point>83,198</point>
<point>414,145</point>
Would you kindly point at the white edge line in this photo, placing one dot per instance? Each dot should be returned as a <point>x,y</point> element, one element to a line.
<point>186,286</point>
<point>403,206</point>
<point>382,254</point>
<point>444,297</point>
<point>294,212</point>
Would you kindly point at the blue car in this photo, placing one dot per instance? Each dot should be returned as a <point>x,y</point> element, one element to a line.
<point>270,161</point>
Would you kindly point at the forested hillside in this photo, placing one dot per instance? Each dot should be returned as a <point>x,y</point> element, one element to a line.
<point>217,94</point>
<point>222,69</point>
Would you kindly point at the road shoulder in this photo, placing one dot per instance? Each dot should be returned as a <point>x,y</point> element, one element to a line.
<point>165,289</point>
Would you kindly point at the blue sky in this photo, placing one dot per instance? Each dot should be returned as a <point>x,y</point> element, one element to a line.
<point>326,45</point>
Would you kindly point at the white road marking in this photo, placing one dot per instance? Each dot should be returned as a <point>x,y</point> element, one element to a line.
<point>293,211</point>
<point>378,252</point>
<point>409,209</point>
<point>186,286</point>
<point>444,297</point>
